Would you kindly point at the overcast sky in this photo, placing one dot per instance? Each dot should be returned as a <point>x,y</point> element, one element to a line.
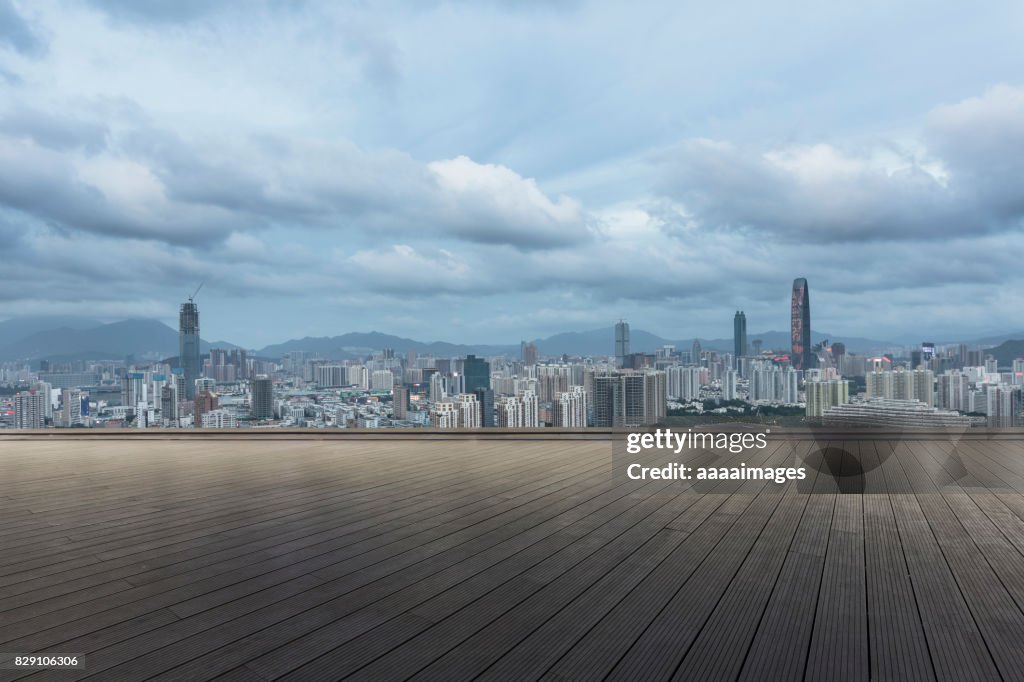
<point>486,171</point>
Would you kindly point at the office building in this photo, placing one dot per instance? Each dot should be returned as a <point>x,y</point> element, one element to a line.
<point>485,399</point>
<point>621,343</point>
<point>170,407</point>
<point>477,373</point>
<point>70,407</point>
<point>134,389</point>
<point>188,346</point>
<point>739,337</point>
<point>801,356</point>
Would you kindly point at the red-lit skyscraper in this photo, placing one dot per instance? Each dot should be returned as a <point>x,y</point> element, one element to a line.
<point>801,356</point>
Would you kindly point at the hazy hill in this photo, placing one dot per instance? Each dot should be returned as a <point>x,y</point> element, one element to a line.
<point>602,342</point>
<point>357,344</point>
<point>20,327</point>
<point>103,341</point>
<point>58,338</point>
<point>1007,352</point>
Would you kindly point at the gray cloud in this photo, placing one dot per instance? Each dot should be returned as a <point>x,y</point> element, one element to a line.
<point>193,192</point>
<point>157,11</point>
<point>16,32</point>
<point>54,130</point>
<point>964,183</point>
<point>484,170</point>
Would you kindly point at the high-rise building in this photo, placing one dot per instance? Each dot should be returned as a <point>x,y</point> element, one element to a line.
<point>954,391</point>
<point>739,337</point>
<point>188,346</point>
<point>444,415</point>
<point>790,386</point>
<point>695,352</point>
<point>822,395</point>
<point>485,398</point>
<point>800,330</point>
<point>29,409</point>
<point>400,402</point>
<point>331,376</point>
<point>477,372</point>
<point>517,412</point>
<point>134,389</point>
<point>170,410</point>
<point>262,395</point>
<point>382,380</point>
<point>1004,405</point>
<point>621,342</point>
<point>438,387</point>
<point>684,382</point>
<point>607,400</point>
<point>528,352</point>
<point>469,411</point>
<point>71,407</point>
<point>729,385</point>
<point>632,399</point>
<point>765,383</point>
<point>655,397</point>
<point>531,410</point>
<point>204,402</point>
<point>570,408</point>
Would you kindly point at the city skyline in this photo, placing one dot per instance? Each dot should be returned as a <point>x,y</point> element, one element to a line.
<point>347,169</point>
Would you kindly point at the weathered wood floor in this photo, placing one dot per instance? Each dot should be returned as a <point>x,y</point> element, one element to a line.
<point>507,560</point>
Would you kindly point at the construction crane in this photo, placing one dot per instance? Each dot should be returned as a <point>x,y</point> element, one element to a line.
<point>196,292</point>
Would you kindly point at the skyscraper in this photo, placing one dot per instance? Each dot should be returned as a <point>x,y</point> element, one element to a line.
<point>739,337</point>
<point>188,346</point>
<point>485,398</point>
<point>262,397</point>
<point>621,342</point>
<point>529,352</point>
<point>800,316</point>
<point>477,372</point>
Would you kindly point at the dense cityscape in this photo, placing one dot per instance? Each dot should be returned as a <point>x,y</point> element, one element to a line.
<point>928,385</point>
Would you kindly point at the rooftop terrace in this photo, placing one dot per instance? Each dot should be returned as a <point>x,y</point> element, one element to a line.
<point>516,556</point>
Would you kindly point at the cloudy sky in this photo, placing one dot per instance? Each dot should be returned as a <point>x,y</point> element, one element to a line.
<point>490,170</point>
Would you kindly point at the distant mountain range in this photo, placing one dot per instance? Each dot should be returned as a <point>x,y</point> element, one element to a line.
<point>70,338</point>
<point>1008,351</point>
<point>66,339</point>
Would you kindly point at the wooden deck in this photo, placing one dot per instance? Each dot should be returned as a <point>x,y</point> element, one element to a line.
<point>509,559</point>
